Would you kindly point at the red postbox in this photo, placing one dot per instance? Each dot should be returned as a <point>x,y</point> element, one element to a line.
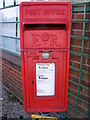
<point>45,51</point>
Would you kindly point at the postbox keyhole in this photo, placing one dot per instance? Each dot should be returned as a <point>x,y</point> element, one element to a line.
<point>32,82</point>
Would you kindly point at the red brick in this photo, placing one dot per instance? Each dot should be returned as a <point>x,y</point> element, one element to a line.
<point>74,16</point>
<point>73,32</point>
<point>13,81</point>
<point>85,82</point>
<point>75,57</point>
<point>78,5</point>
<point>86,67</point>
<point>79,33</point>
<point>79,26</point>
<point>75,78</point>
<point>73,91</point>
<point>80,116</point>
<point>87,76</point>
<point>71,112</point>
<point>85,91</point>
<point>75,48</point>
<point>12,77</point>
<point>88,15</point>
<point>83,76</point>
<point>76,64</point>
<point>71,98</point>
<point>86,44</point>
<point>83,107</point>
<point>84,60</point>
<point>72,101</point>
<point>74,72</point>
<point>87,33</point>
<point>84,94</point>
<point>79,15</point>
<point>73,88</point>
<point>88,61</point>
<point>76,42</point>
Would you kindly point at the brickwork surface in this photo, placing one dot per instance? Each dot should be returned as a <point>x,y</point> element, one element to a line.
<point>76,46</point>
<point>11,77</point>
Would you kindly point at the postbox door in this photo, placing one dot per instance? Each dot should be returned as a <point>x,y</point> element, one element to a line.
<point>55,98</point>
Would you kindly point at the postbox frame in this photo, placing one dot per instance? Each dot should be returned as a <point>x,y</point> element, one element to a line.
<point>25,52</point>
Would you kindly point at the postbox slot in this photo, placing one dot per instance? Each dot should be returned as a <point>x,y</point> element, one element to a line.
<point>45,26</point>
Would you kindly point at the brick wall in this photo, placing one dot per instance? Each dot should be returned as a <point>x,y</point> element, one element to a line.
<point>11,69</point>
<point>76,46</point>
<point>11,73</point>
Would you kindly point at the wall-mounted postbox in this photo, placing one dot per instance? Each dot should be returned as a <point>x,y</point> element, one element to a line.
<point>45,48</point>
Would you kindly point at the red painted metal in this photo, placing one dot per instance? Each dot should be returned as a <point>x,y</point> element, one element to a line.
<point>45,27</point>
